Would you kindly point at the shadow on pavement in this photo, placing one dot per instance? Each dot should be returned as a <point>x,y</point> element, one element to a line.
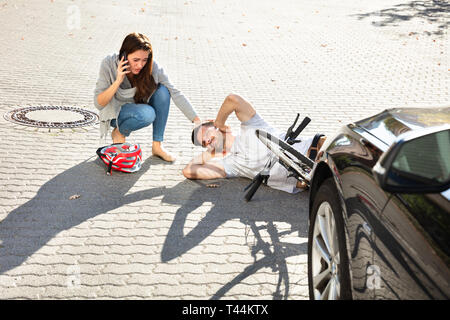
<point>266,209</point>
<point>32,225</point>
<point>430,11</point>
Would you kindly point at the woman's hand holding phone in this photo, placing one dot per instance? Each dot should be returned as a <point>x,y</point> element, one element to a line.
<point>105,97</point>
<point>122,69</point>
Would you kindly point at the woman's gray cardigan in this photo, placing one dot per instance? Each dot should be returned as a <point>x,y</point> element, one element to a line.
<point>125,93</point>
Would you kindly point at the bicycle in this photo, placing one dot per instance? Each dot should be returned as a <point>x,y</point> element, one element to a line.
<point>296,163</point>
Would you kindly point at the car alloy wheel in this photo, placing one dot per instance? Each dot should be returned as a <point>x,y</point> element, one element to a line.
<point>325,255</point>
<point>328,260</point>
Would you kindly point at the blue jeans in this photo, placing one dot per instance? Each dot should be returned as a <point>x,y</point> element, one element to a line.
<point>135,116</point>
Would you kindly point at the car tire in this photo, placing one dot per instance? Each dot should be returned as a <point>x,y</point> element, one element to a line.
<point>328,263</point>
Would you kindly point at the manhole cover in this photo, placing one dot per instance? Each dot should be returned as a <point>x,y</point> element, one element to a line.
<point>53,117</point>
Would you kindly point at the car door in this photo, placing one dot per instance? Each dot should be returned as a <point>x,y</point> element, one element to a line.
<point>413,249</point>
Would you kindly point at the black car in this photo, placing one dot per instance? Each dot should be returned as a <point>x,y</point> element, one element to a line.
<point>380,210</point>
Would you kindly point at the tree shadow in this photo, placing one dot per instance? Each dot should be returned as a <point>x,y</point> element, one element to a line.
<point>432,11</point>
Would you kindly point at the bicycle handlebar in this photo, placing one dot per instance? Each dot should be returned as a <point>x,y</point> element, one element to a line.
<point>291,138</point>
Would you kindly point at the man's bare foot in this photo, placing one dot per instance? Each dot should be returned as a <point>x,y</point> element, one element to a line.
<point>117,136</point>
<point>301,185</point>
<point>159,151</point>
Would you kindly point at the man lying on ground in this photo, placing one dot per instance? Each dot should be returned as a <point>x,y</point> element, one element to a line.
<point>242,155</point>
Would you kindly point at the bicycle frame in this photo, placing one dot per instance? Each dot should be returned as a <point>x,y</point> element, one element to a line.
<point>304,166</point>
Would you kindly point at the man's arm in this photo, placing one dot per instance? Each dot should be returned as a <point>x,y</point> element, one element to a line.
<point>243,109</point>
<point>202,168</point>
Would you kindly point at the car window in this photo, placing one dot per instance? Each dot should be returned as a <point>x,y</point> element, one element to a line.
<point>427,157</point>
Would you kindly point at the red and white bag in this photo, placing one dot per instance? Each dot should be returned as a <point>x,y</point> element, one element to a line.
<point>125,157</point>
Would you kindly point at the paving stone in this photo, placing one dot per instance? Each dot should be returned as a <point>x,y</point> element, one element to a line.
<point>154,234</point>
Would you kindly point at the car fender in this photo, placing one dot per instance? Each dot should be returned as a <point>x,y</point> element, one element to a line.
<point>325,168</point>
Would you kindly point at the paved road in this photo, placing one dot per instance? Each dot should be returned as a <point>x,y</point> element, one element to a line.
<point>154,234</point>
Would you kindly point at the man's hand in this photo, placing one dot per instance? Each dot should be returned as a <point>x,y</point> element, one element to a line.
<point>201,168</point>
<point>222,127</point>
<point>233,103</point>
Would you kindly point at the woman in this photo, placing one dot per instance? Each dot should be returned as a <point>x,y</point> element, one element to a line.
<point>132,92</point>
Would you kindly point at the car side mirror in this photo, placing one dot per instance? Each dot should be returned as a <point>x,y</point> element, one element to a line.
<point>417,162</point>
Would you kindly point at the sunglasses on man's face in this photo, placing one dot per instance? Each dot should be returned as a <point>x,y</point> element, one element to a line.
<point>204,140</point>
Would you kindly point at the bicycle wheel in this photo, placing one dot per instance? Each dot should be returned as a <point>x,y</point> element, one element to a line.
<point>287,155</point>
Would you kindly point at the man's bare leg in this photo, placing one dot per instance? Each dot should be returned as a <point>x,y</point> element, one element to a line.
<point>319,145</point>
<point>302,184</point>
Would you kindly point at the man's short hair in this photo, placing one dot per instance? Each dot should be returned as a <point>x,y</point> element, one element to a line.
<point>196,130</point>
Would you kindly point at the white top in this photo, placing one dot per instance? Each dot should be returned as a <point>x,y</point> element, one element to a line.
<point>248,155</point>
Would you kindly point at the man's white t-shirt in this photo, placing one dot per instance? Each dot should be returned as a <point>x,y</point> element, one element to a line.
<point>248,155</point>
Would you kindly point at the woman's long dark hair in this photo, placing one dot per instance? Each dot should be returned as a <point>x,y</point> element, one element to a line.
<point>144,82</point>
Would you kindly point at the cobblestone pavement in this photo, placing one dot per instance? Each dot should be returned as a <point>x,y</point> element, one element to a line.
<point>154,234</point>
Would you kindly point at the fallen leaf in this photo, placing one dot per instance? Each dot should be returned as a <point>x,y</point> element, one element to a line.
<point>75,196</point>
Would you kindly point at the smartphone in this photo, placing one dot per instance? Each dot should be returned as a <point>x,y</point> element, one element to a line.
<point>124,54</point>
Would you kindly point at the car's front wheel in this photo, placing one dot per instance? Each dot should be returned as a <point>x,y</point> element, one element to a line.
<point>328,268</point>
